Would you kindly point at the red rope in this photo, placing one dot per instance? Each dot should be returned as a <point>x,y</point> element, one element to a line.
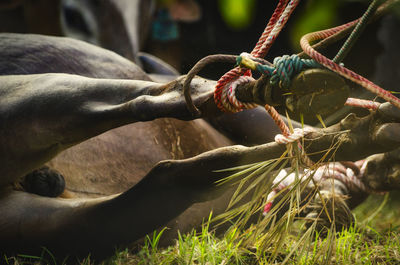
<point>362,103</point>
<point>226,101</point>
<point>271,23</point>
<point>351,177</point>
<point>284,17</point>
<point>278,120</point>
<point>271,31</point>
<point>341,70</point>
<point>277,21</point>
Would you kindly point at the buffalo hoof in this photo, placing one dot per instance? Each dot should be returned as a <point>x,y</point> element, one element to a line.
<point>44,182</point>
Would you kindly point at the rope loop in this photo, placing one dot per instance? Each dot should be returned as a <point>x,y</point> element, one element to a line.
<point>231,93</point>
<point>278,20</point>
<point>297,134</point>
<point>228,95</point>
<point>333,170</point>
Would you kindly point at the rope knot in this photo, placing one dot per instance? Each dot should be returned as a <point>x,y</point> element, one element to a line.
<point>297,134</point>
<point>285,67</point>
<point>282,70</point>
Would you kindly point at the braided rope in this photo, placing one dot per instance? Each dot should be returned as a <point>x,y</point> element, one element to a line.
<point>271,198</point>
<point>362,103</point>
<point>221,83</point>
<point>281,181</point>
<point>333,170</point>
<point>361,24</point>
<point>274,26</point>
<point>287,66</point>
<point>284,17</point>
<point>339,69</point>
<point>271,23</point>
<point>277,119</point>
<point>282,70</point>
<point>297,134</point>
<point>383,9</point>
<point>231,93</point>
<point>344,174</point>
<point>286,137</point>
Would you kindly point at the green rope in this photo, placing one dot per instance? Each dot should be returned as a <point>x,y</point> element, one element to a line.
<point>288,66</point>
<point>283,69</point>
<point>355,34</point>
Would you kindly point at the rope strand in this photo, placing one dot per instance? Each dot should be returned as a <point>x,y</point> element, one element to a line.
<point>274,26</point>
<point>350,177</point>
<point>359,28</point>
<point>341,70</point>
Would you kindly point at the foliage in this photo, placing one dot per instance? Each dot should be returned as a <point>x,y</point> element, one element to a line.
<point>318,15</point>
<point>237,14</point>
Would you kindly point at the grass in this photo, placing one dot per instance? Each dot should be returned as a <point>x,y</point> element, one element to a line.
<point>352,246</point>
<point>375,239</point>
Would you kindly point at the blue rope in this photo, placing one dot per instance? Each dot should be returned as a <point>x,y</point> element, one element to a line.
<point>284,68</point>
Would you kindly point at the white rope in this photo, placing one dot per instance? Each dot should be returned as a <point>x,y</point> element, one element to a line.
<point>333,170</point>
<point>297,134</point>
<point>231,93</point>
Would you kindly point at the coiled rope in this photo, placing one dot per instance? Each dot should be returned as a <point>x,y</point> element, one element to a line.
<point>350,175</point>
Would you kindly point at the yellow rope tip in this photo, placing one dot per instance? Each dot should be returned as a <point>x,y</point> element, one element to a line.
<point>248,63</point>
